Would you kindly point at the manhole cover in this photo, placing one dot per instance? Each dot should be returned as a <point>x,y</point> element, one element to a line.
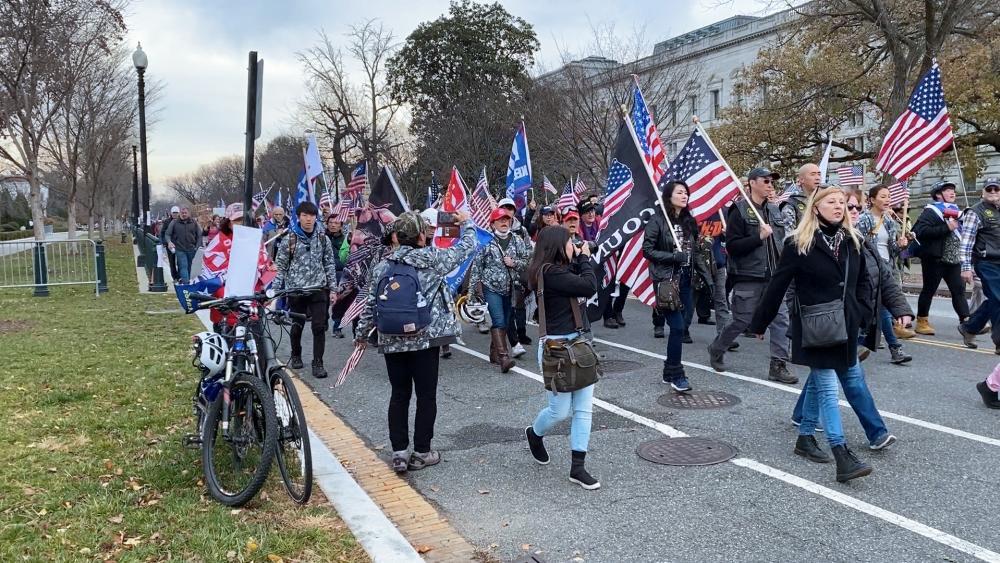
<point>685,451</point>
<point>619,366</point>
<point>698,400</point>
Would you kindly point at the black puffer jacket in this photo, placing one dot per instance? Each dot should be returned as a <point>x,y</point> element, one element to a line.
<point>931,231</point>
<point>658,246</point>
<point>814,276</point>
<point>883,289</point>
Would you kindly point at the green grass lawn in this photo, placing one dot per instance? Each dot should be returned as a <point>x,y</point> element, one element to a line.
<point>96,394</point>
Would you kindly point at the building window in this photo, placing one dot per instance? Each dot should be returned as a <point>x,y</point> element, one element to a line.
<point>859,143</point>
<point>716,97</point>
<point>693,105</point>
<point>671,150</point>
<point>672,112</point>
<point>856,119</point>
<point>652,111</point>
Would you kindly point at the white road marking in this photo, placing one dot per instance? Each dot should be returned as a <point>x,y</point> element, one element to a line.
<point>795,391</point>
<point>846,500</point>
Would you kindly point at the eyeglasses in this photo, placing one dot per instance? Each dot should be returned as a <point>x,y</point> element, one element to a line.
<point>991,189</point>
<point>765,180</point>
<point>854,208</point>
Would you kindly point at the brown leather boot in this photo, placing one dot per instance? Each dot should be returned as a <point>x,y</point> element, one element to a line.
<point>493,351</point>
<point>499,338</point>
<point>924,326</point>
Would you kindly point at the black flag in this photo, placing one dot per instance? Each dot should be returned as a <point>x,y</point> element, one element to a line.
<point>386,194</point>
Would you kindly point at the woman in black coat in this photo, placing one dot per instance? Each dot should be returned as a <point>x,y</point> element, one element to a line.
<point>824,251</point>
<point>937,230</point>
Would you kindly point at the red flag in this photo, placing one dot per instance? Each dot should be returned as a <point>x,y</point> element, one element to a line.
<point>454,200</point>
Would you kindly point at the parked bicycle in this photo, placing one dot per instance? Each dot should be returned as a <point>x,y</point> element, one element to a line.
<point>241,358</point>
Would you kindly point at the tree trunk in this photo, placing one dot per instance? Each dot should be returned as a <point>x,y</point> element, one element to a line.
<point>71,215</point>
<point>37,213</point>
<point>90,225</point>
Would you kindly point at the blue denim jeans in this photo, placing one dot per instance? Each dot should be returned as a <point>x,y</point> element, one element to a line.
<point>499,307</point>
<point>820,405</point>
<point>860,398</point>
<point>184,260</point>
<point>580,402</point>
<point>678,321</point>
<point>989,274</point>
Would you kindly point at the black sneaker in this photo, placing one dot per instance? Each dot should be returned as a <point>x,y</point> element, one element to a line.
<point>446,351</point>
<point>898,356</point>
<point>295,362</point>
<point>882,443</point>
<point>807,447</point>
<point>319,372</point>
<point>657,332</point>
<point>990,397</point>
<point>968,338</point>
<point>610,323</point>
<point>686,339</point>
<point>536,446</point>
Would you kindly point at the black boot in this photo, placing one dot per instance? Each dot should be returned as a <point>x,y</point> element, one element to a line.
<point>990,397</point>
<point>807,447</point>
<point>610,322</point>
<point>578,474</point>
<point>295,362</point>
<point>657,332</point>
<point>620,319</point>
<point>536,446</point>
<point>848,466</point>
<point>319,372</point>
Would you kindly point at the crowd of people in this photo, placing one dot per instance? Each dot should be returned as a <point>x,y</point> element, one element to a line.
<point>764,264</point>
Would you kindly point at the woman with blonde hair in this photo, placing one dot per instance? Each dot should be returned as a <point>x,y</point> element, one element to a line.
<point>825,247</point>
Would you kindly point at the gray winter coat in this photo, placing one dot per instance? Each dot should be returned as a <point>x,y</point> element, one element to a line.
<point>184,233</point>
<point>488,268</point>
<point>310,262</point>
<point>432,265</point>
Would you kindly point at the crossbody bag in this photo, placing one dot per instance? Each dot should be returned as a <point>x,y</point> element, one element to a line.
<point>825,324</point>
<point>567,365</point>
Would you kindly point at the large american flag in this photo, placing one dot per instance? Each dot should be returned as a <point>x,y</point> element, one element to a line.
<point>358,183</point>
<point>898,194</point>
<point>619,188</point>
<point>711,185</point>
<point>851,175</point>
<point>922,132</point>
<point>433,192</point>
<point>547,186</point>
<point>568,197</point>
<point>645,131</point>
<point>482,202</point>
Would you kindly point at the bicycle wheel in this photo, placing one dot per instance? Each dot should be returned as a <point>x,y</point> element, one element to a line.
<point>294,454</point>
<point>236,461</point>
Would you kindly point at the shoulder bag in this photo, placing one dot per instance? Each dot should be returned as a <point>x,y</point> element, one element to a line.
<point>825,324</point>
<point>567,365</point>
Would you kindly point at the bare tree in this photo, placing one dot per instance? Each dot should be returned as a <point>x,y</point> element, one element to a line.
<point>217,180</point>
<point>45,48</point>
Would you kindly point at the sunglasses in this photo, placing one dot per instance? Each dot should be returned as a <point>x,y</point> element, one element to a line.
<point>992,189</point>
<point>854,208</point>
<point>765,180</point>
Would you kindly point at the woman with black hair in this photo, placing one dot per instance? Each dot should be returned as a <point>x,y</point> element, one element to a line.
<point>669,263</point>
<point>569,278</point>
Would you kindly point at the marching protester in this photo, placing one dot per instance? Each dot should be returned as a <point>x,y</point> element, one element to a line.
<point>412,357</point>
<point>806,182</point>
<point>937,230</point>
<point>183,238</point>
<point>571,220</point>
<point>277,226</point>
<point>589,221</point>
<point>546,217</point>
<point>753,242</point>
<point>561,274</point>
<point>824,247</point>
<point>306,258</point>
<point>670,268</point>
<point>517,322</point>
<point>339,243</point>
<point>884,289</point>
<point>212,229</point>
<point>980,250</point>
<point>494,274</point>
<point>711,258</point>
<point>879,226</point>
<point>175,213</point>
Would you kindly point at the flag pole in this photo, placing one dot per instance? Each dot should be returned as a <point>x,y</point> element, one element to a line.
<point>649,173</point>
<point>961,176</point>
<point>739,183</point>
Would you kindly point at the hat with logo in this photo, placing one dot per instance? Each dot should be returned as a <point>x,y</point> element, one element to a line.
<point>499,213</point>
<point>991,182</point>
<point>587,207</point>
<point>506,202</point>
<point>762,172</point>
<point>941,186</point>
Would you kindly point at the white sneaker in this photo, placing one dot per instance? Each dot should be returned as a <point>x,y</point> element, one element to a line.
<point>484,328</point>
<point>518,350</point>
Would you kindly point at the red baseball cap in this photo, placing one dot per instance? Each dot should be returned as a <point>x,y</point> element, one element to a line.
<point>499,213</point>
<point>570,214</point>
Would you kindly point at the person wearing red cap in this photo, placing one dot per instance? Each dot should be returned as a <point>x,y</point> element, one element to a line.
<point>571,220</point>
<point>495,271</point>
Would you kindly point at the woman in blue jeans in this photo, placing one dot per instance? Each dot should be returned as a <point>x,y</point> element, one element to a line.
<point>569,276</point>
<point>825,247</point>
<point>670,261</point>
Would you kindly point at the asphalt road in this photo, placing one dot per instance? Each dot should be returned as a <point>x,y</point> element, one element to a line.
<point>932,496</point>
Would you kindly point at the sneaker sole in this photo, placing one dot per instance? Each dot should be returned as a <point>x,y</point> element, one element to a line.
<point>813,459</point>
<point>785,381</point>
<point>538,461</point>
<point>965,339</point>
<point>885,444</point>
<point>593,487</point>
<point>680,389</point>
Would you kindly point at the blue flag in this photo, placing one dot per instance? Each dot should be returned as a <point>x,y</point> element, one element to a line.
<point>519,168</point>
<point>301,194</point>
<point>454,279</point>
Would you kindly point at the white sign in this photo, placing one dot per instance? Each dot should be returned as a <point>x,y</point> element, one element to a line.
<point>243,256</point>
<point>161,258</point>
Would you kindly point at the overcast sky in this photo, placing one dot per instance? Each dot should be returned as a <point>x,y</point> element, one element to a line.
<point>198,50</point>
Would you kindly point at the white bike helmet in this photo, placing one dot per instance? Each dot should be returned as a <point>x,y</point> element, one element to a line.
<point>472,313</point>
<point>210,351</point>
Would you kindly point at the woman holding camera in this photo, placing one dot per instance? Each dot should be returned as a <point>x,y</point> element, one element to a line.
<point>824,247</point>
<point>568,276</point>
<point>671,264</point>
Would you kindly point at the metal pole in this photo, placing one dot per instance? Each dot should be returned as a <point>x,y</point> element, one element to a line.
<point>961,177</point>
<point>142,152</point>
<point>135,188</point>
<point>250,135</point>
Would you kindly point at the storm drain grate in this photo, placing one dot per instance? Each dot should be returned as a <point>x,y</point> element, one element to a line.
<point>685,451</point>
<point>698,400</point>
<point>619,366</point>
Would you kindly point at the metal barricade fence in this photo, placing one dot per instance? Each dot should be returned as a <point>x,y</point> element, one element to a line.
<point>39,264</point>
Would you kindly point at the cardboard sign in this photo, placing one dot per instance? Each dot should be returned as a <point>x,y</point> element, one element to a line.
<point>243,258</point>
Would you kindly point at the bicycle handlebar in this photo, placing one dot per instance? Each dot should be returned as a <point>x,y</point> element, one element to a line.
<point>207,301</point>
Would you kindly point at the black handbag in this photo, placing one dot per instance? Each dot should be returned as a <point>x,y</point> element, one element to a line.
<point>567,365</point>
<point>825,324</point>
<point>668,293</point>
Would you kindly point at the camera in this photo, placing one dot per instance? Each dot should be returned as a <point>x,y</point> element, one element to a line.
<point>448,225</point>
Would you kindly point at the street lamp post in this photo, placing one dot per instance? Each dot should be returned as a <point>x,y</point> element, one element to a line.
<point>135,189</point>
<point>152,264</point>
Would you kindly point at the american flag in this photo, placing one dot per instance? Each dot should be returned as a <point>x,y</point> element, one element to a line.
<point>255,202</point>
<point>851,175</point>
<point>325,201</point>
<point>579,188</point>
<point>433,192</point>
<point>898,194</point>
<point>352,362</point>
<point>358,183</point>
<point>481,201</point>
<point>710,184</point>
<point>342,211</point>
<point>568,197</point>
<point>922,132</point>
<point>359,263</point>
<point>645,131</point>
<point>619,188</point>
<point>547,186</point>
